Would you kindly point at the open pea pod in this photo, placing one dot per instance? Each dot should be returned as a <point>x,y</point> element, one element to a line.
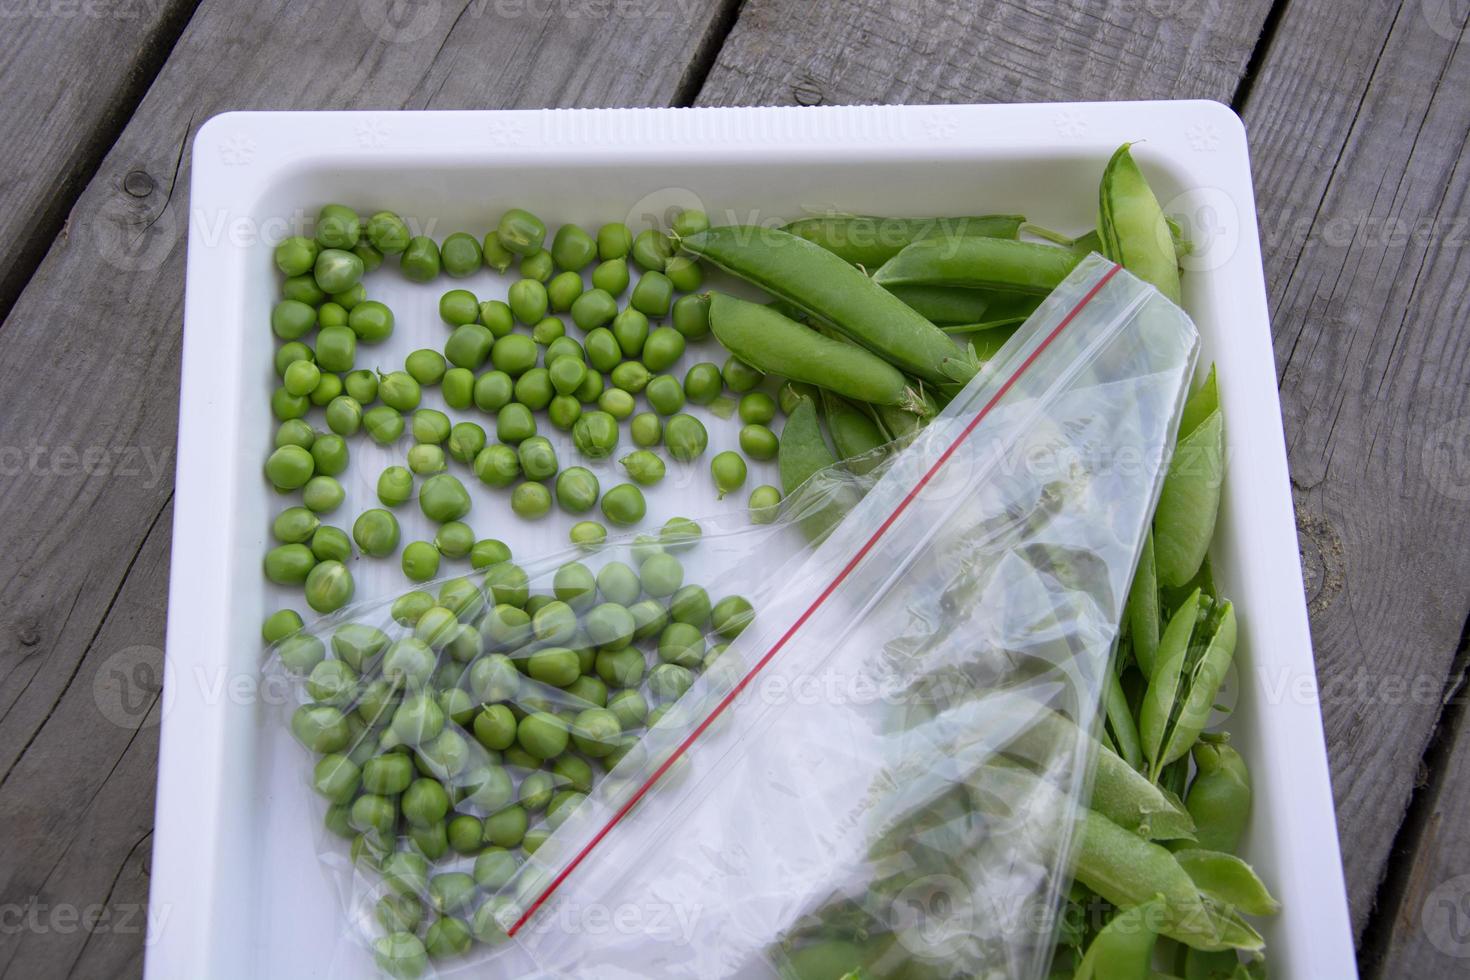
<point>870,241</point>
<point>1120,723</point>
<point>1194,655</point>
<point>1124,948</point>
<point>1189,501</point>
<point>1202,686</point>
<point>1162,695</point>
<point>1228,880</point>
<point>857,437</point>
<point>1132,226</point>
<point>1143,609</point>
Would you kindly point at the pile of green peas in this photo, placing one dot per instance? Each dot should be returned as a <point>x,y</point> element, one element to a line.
<point>454,734</point>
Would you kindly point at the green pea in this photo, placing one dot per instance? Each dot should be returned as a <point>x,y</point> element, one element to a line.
<point>497,317</point>
<point>685,437</point>
<point>591,387</point>
<point>740,377</point>
<point>280,624</point>
<point>564,347</point>
<point>665,395</point>
<point>653,294</point>
<point>465,441</point>
<point>303,289</point>
<point>493,391</point>
<point>376,532</point>
<point>566,374</point>
<point>337,226</point>
<point>630,708</point>
<point>685,273</point>
<point>301,378</point>
<point>758,442</point>
<point>454,539</point>
<point>300,653</point>
<point>332,315</point>
<point>487,552</point>
<point>420,262</point>
<point>548,330</point>
<point>617,403</point>
<point>679,534</point>
<point>424,803</point>
<point>515,354</point>
<point>430,425</point>
<point>294,525</point>
<point>690,221</point>
<point>595,435</point>
<point>611,276</point>
<point>496,255</point>
<point>497,466</point>
<point>573,248</point>
<point>371,322</point>
<point>765,504</point>
<point>538,266</point>
<point>538,458</point>
<point>328,586</point>
<point>460,255</point>
<point>587,535</point>
<point>594,308</point>
<point>426,459</point>
<point>543,735</point>
<point>337,270</point>
<point>289,467</point>
<point>395,486</point>
<point>296,255</point>
<point>682,644</point>
<point>344,415</point>
<point>329,454</point>
<point>328,388</point>
<point>691,316</point>
<point>603,352</point>
<point>690,605</point>
<point>644,467</point>
<point>384,424</point>
<point>447,937</point>
<point>520,231</point>
<point>443,498</point>
<point>614,241</point>
<point>630,329</point>
<point>593,732</point>
<point>387,232</point>
<point>400,390</point>
<point>554,665</point>
<point>458,387</point>
<point>469,346</point>
<point>289,353</point>
<point>530,501</point>
<point>330,544</point>
<point>295,432</point>
<point>336,777</point>
<point>577,490</point>
<point>322,494</point>
<point>652,249</point>
<point>669,682</point>
<point>563,411</point>
<point>646,428</point>
<point>624,505</point>
<point>618,583</point>
<point>408,608</point>
<point>731,615</point>
<point>757,408</point>
<point>534,390</point>
<point>504,828</point>
<point>661,575</point>
<point>458,307</point>
<point>702,383</point>
<point>663,349</point>
<point>336,348</point>
<point>728,470</point>
<point>420,561</point>
<point>515,423</point>
<point>630,376</point>
<point>528,300</point>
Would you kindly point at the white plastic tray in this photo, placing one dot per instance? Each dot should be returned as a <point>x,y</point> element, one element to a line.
<point>234,881</point>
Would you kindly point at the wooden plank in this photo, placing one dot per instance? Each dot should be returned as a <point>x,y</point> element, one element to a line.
<point>1358,125</point>
<point>921,51</point>
<point>89,359</point>
<point>71,73</point>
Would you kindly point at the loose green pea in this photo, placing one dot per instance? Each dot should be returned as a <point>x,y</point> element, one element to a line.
<point>588,535</point>
<point>371,321</point>
<point>395,486</point>
<point>682,644</point>
<point>328,388</point>
<point>765,504</point>
<point>690,221</point>
<point>459,306</point>
<point>553,665</point>
<point>520,231</point>
<point>496,255</point>
<point>757,408</point>
<point>614,241</point>
<point>739,376</point>
<point>563,411</point>
<point>294,525</point>
<point>515,354</point>
<point>530,501</point>
<point>504,828</point>
<point>430,425</point>
<point>497,466</point>
<point>328,586</point>
<point>514,423</point>
<point>331,315</point>
<point>454,539</point>
<point>420,561</point>
<point>679,534</point>
<point>528,301</point>
<point>322,494</point>
<point>646,428</point>
<point>493,391</point>
<point>573,248</point>
<point>669,682</point>
<point>665,395</point>
<point>685,273</point>
<point>758,442</point>
<point>329,454</point>
<point>289,467</point>
<point>653,294</point>
<point>661,575</point>
<point>564,347</point>
<point>295,432</point>
<point>337,226</point>
<point>542,734</point>
<point>595,435</point>
<point>465,441</point>
<point>630,376</point>
<point>296,255</point>
<point>443,498</point>
<point>685,437</point>
<point>534,389</point>
<point>591,387</point>
<point>344,415</point>
<point>458,387</point>
<point>469,346</point>
<point>387,233</point>
<point>337,270</point>
<point>617,403</point>
<point>303,289</point>
<point>280,624</point>
<point>487,552</point>
<point>644,467</point>
<point>330,544</point>
<point>731,615</point>
<point>460,255</point>
<point>652,249</point>
<point>691,316</point>
<point>663,349</point>
<point>548,330</point>
<point>603,352</point>
<point>336,348</point>
<point>690,605</point>
<point>301,378</point>
<point>611,276</point>
<point>300,653</point>
<point>376,532</point>
<point>728,470</point>
<point>594,308</point>
<point>702,383</point>
<point>497,317</point>
<point>577,489</point>
<point>566,374</point>
<point>575,585</point>
<point>538,458</point>
<point>384,424</point>
<point>624,505</point>
<point>538,266</point>
<point>630,330</point>
<point>289,353</point>
<point>426,459</point>
<point>400,390</point>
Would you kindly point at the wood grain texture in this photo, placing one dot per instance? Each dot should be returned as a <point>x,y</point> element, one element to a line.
<point>1358,126</point>
<point>924,51</point>
<point>73,74</point>
<point>89,357</point>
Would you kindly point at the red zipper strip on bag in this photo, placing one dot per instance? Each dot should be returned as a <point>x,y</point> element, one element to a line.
<point>841,576</point>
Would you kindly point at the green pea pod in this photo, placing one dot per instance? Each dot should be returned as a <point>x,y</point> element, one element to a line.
<point>1200,405</point>
<point>773,344</point>
<point>1143,609</point>
<point>946,305</point>
<point>987,340</point>
<point>1124,948</point>
<point>870,241</point>
<point>1202,685</point>
<point>980,263</point>
<point>1120,721</point>
<point>1199,965</point>
<point>1088,243</point>
<point>1132,226</point>
<point>857,437</point>
<point>815,280</point>
<point>1160,699</point>
<point>1219,799</point>
<point>802,454</point>
<point>1189,502</point>
<point>823,960</point>
<point>1228,880</point>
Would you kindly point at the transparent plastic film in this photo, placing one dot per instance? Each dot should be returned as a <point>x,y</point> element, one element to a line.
<point>726,749</point>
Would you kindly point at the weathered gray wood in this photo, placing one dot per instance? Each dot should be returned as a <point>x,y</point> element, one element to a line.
<point>918,51</point>
<point>89,357</point>
<point>1358,123</point>
<point>73,73</point>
